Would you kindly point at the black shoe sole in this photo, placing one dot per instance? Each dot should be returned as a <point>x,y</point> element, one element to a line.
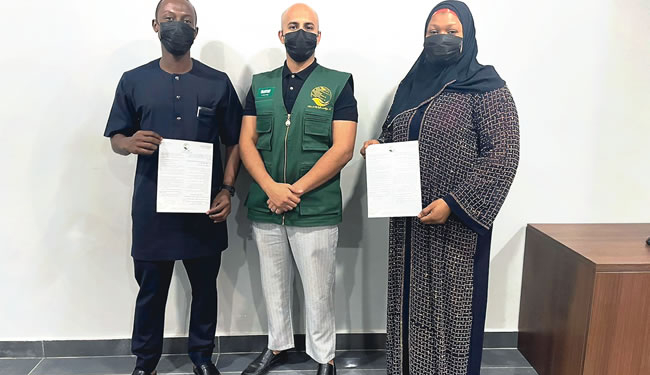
<point>268,369</point>
<point>197,373</point>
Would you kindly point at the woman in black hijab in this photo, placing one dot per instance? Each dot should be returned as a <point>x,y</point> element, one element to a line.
<point>465,120</point>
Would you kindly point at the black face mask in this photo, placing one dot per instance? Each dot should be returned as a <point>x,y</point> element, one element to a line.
<point>443,49</point>
<point>177,37</point>
<point>300,45</point>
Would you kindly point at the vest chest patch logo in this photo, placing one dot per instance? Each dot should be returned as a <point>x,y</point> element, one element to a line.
<point>266,92</point>
<point>322,96</point>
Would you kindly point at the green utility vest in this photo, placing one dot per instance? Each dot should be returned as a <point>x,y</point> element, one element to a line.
<point>290,145</point>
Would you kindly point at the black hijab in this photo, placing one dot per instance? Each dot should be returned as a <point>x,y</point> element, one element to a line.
<point>424,79</point>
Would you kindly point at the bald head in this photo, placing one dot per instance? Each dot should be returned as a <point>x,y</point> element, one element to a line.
<point>300,16</point>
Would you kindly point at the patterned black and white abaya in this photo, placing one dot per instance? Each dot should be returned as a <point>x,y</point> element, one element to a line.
<point>466,122</point>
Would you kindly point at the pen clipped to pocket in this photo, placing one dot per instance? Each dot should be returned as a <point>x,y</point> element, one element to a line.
<point>204,111</point>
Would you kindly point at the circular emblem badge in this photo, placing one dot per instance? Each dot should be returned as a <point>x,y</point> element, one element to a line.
<point>322,96</point>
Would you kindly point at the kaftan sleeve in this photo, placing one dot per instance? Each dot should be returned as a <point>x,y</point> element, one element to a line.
<point>478,199</point>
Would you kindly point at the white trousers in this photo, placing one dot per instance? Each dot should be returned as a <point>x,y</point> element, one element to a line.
<point>314,251</point>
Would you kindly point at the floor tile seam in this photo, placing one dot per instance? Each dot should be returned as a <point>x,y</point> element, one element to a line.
<point>35,367</point>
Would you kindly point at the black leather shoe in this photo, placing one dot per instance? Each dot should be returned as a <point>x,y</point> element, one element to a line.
<point>142,372</point>
<point>206,369</point>
<point>326,369</point>
<point>265,362</point>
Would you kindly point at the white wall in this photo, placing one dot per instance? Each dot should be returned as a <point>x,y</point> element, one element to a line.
<point>578,71</point>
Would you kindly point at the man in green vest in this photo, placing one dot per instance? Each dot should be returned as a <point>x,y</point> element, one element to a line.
<point>297,134</point>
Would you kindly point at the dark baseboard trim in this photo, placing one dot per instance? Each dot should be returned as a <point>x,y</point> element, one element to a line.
<point>225,344</point>
<point>500,340</point>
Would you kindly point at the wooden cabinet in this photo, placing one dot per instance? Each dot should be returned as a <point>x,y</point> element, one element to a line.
<point>585,299</point>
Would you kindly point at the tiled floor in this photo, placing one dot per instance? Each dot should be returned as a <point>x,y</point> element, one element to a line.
<point>495,362</point>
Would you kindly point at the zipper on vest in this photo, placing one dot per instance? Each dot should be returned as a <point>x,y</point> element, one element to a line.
<point>286,138</point>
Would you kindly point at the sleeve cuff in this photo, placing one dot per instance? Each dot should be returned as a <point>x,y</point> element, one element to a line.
<point>125,132</point>
<point>466,219</point>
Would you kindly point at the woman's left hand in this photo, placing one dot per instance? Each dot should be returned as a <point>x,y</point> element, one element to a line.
<point>436,213</point>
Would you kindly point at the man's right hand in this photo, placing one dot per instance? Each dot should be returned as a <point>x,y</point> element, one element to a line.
<point>143,142</point>
<point>366,144</point>
<point>282,198</point>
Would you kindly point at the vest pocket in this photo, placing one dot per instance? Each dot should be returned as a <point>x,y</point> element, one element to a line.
<point>324,200</point>
<point>264,129</point>
<point>317,132</point>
